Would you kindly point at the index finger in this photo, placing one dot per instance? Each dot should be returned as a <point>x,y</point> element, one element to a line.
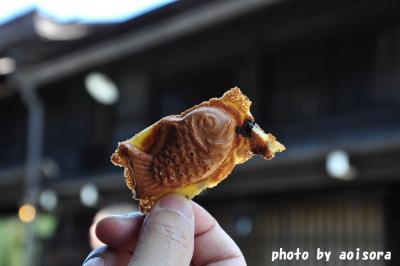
<point>212,245</point>
<point>120,231</point>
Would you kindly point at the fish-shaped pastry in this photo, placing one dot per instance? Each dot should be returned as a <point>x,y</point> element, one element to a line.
<point>195,150</point>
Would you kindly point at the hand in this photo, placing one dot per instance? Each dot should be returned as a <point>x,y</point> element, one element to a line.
<point>175,232</point>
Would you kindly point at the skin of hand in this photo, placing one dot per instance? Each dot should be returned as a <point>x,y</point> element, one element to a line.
<point>177,231</point>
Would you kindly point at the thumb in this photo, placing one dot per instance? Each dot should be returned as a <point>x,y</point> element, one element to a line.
<point>167,234</point>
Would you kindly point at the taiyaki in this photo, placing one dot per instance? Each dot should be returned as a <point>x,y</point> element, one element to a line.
<point>195,150</point>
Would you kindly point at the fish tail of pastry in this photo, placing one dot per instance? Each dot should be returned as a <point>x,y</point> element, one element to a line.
<point>141,168</point>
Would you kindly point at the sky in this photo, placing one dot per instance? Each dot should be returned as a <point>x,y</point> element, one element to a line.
<point>85,11</point>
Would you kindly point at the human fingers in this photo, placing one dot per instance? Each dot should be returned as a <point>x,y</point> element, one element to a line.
<point>212,245</point>
<point>167,234</point>
<point>107,256</point>
<point>120,232</point>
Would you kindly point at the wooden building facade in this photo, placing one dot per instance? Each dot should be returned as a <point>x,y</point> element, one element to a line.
<point>323,76</point>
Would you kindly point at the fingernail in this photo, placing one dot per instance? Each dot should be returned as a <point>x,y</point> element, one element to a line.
<point>96,261</point>
<point>128,215</point>
<point>177,203</point>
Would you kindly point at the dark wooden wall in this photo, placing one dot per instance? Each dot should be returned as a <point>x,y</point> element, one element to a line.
<point>322,76</point>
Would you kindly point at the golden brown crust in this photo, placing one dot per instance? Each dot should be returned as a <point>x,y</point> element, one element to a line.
<point>199,144</point>
<point>197,149</point>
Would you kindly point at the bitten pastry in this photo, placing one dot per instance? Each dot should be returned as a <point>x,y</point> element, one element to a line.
<point>195,150</point>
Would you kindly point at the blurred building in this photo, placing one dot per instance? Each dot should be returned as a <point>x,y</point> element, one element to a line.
<point>323,76</point>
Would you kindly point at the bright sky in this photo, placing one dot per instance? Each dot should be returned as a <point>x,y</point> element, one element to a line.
<point>86,11</point>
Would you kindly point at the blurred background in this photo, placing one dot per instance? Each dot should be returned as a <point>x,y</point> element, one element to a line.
<point>76,77</point>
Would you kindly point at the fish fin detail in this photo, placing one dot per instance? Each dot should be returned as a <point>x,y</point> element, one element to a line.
<point>237,99</point>
<point>140,170</point>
